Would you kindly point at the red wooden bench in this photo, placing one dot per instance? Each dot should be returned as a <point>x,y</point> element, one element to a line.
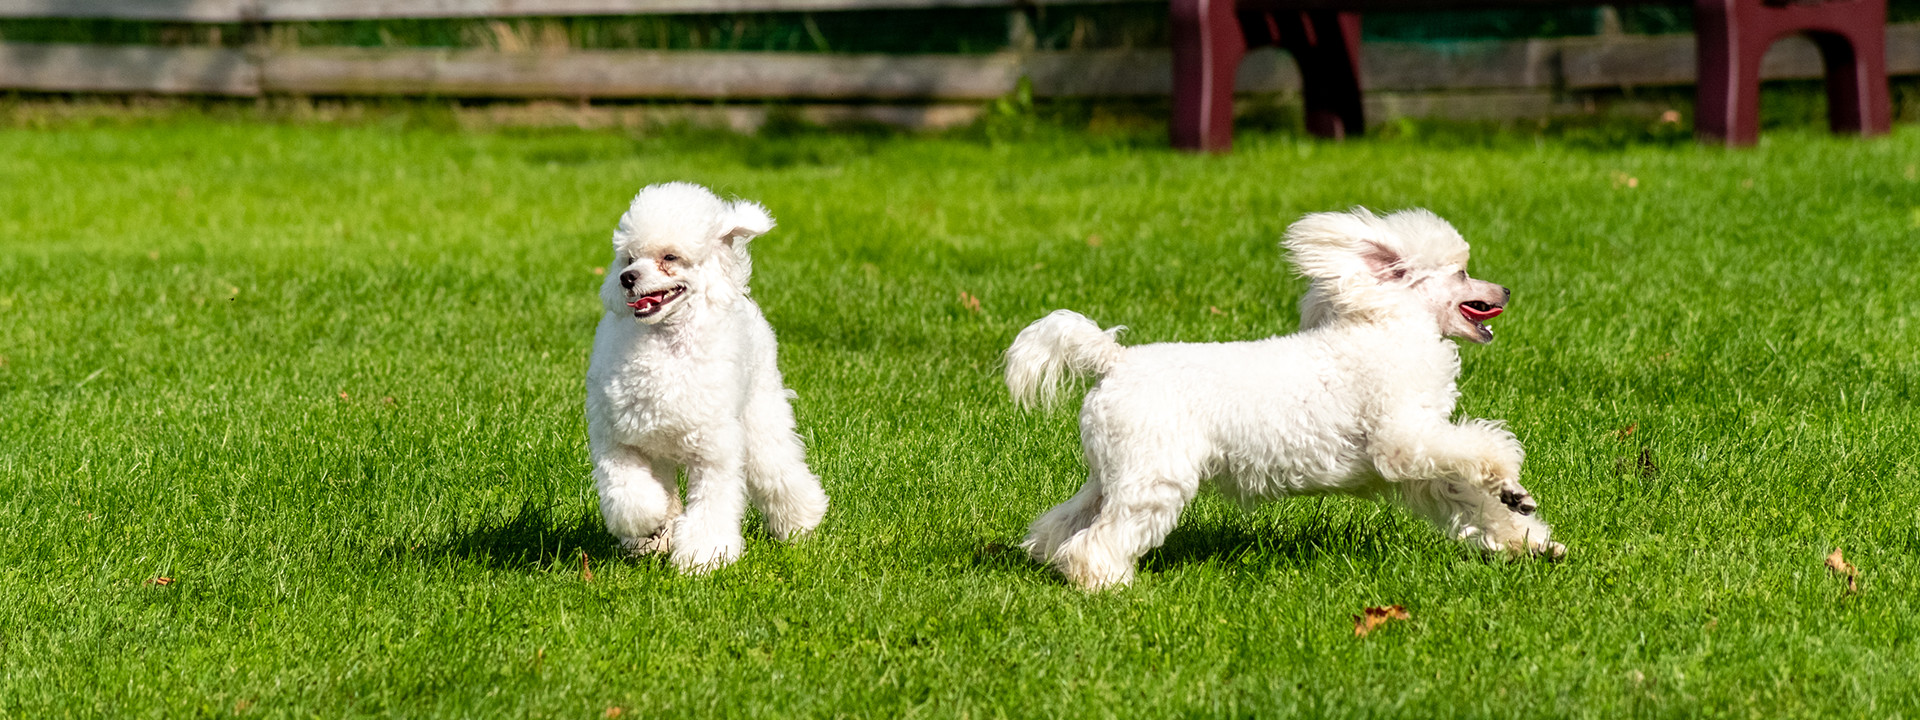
<point>1211,36</point>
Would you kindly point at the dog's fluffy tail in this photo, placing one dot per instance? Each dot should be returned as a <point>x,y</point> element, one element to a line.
<point>1059,345</point>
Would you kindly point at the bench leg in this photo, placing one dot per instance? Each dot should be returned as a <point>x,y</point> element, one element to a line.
<point>1327,47</point>
<point>1857,93</point>
<point>1207,49</point>
<point>1734,36</point>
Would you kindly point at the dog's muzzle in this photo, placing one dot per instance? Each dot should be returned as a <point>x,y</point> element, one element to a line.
<point>651,303</point>
<point>1478,313</point>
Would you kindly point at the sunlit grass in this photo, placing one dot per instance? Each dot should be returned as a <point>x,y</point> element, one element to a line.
<point>328,381</point>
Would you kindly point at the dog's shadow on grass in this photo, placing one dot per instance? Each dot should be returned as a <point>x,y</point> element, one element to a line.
<point>1223,542</point>
<point>1296,545</point>
<point>533,538</point>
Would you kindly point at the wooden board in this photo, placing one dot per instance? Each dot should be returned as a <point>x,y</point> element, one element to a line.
<point>631,74</point>
<point>208,11</point>
<point>369,9</point>
<point>1464,65</point>
<point>235,11</point>
<point>127,69</point>
<point>1903,49</point>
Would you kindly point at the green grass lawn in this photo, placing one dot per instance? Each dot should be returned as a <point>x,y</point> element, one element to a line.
<point>328,379</point>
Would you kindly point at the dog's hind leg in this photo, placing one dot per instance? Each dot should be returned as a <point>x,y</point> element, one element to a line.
<point>639,496</point>
<point>787,494</point>
<point>1478,519</point>
<point>1137,512</point>
<point>1046,534</point>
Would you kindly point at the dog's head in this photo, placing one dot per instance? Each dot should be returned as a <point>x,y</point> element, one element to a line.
<point>678,243</point>
<point>1367,268</point>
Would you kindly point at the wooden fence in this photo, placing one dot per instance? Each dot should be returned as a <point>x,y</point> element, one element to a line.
<point>1530,70</point>
<point>247,11</point>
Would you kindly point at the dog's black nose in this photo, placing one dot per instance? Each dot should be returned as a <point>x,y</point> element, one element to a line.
<point>627,279</point>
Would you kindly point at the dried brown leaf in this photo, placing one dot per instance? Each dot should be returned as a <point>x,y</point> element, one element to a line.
<point>1626,432</point>
<point>162,581</point>
<point>968,301</point>
<point>586,570</point>
<point>613,712</point>
<point>1215,310</point>
<point>1838,564</point>
<point>343,396</point>
<point>1094,240</point>
<point>599,271</point>
<point>1374,617</point>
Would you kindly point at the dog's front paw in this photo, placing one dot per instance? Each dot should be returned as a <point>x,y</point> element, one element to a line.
<point>703,560</point>
<point>1517,498</point>
<point>1537,547</point>
<point>698,553</point>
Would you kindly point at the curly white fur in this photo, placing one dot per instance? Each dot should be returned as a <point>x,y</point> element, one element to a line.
<point>1359,402</point>
<point>683,374</point>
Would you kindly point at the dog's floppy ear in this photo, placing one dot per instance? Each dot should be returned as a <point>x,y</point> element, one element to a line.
<point>1332,245</point>
<point>1382,261</point>
<point>744,221</point>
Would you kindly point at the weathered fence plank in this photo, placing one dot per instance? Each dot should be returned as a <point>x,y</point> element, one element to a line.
<point>206,11</point>
<point>372,9</point>
<point>636,74</point>
<point>127,69</point>
<point>235,11</point>
<point>1466,65</point>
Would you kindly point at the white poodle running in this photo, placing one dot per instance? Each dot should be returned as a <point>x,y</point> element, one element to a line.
<point>1358,402</point>
<point>683,374</point>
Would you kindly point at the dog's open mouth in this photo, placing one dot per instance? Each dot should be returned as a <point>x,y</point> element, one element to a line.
<point>1479,313</point>
<point>649,304</point>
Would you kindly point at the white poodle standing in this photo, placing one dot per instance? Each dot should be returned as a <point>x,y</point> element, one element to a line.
<point>683,375</point>
<point>1358,402</point>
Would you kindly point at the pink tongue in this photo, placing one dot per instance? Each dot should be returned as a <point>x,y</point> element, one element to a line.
<point>1479,316</point>
<point>644,303</point>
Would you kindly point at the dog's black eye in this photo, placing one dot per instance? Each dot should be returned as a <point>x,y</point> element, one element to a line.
<point>1399,273</point>
<point>670,257</point>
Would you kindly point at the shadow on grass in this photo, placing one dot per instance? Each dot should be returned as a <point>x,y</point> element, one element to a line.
<point>533,538</point>
<point>1250,542</point>
<point>1242,540</point>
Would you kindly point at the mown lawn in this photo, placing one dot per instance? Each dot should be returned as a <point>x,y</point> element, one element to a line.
<point>327,379</point>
